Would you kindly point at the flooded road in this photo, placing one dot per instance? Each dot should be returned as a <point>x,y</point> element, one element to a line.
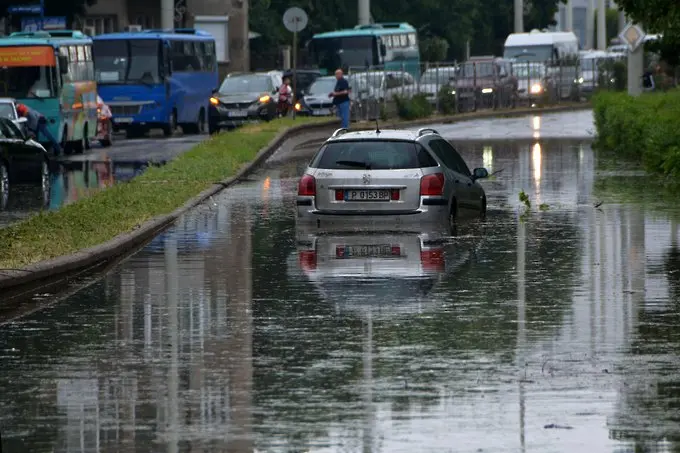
<point>548,331</point>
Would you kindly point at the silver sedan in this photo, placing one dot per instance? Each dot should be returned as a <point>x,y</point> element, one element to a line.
<point>390,177</point>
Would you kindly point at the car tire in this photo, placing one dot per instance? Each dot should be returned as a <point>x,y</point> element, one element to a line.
<point>453,217</point>
<point>483,207</point>
<point>4,185</point>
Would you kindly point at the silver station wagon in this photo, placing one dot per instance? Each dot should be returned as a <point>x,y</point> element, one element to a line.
<point>391,177</point>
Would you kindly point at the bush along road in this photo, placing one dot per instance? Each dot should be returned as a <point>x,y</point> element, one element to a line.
<point>644,128</point>
<point>111,223</point>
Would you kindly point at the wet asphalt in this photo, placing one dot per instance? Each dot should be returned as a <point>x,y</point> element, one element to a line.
<point>553,330</point>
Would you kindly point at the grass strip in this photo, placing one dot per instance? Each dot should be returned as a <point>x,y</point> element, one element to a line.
<point>119,209</point>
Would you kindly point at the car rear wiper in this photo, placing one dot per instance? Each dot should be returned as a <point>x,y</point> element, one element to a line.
<point>353,163</point>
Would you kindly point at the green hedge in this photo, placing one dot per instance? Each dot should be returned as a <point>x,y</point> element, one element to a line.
<point>413,108</point>
<point>645,128</point>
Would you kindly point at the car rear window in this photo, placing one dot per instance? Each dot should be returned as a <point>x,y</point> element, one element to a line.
<point>372,155</point>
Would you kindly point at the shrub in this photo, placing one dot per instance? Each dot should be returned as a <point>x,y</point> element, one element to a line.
<point>645,128</point>
<point>447,100</point>
<point>413,108</point>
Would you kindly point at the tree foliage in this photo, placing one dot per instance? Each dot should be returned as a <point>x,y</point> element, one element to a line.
<point>484,23</point>
<point>657,16</point>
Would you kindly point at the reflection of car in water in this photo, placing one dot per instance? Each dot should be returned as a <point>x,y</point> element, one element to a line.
<point>394,272</point>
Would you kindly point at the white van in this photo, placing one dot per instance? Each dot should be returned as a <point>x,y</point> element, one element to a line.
<point>557,50</point>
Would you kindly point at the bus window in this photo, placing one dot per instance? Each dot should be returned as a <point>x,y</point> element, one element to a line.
<point>72,54</point>
<point>81,53</point>
<point>402,41</point>
<point>209,56</point>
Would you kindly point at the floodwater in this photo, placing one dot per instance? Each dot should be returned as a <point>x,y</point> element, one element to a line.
<point>549,330</point>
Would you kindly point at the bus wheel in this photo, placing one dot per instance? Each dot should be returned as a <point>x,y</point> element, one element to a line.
<point>86,139</point>
<point>169,128</point>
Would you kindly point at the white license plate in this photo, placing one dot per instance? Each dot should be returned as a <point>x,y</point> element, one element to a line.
<point>359,251</point>
<point>124,120</point>
<point>321,112</point>
<point>367,195</point>
<point>237,114</point>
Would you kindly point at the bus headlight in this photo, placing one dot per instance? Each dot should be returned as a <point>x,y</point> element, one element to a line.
<point>487,90</point>
<point>536,88</point>
<point>264,99</point>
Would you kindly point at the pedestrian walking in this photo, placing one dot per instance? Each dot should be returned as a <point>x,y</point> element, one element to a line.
<point>341,98</point>
<point>37,124</point>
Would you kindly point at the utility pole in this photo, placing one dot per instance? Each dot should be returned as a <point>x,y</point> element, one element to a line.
<point>569,16</point>
<point>590,24</point>
<point>168,14</point>
<point>601,25</point>
<point>364,9</point>
<point>519,16</point>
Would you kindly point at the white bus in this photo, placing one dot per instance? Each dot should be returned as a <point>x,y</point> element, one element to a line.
<point>557,50</point>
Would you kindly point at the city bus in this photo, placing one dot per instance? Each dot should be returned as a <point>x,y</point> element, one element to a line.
<point>52,72</point>
<point>391,45</point>
<point>157,79</point>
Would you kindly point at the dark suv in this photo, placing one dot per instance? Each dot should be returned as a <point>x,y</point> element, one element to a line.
<point>243,98</point>
<point>485,82</point>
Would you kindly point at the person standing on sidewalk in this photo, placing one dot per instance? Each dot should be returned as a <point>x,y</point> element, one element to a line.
<point>37,124</point>
<point>341,98</point>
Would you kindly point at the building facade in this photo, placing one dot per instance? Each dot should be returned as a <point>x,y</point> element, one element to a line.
<point>107,16</point>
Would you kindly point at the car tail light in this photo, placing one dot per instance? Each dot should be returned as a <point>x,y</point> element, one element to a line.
<point>339,195</point>
<point>307,259</point>
<point>396,250</point>
<point>432,260</point>
<point>432,185</point>
<point>307,186</point>
<point>395,194</point>
<point>339,251</point>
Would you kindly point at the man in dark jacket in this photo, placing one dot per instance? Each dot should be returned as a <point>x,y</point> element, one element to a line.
<point>341,98</point>
<point>37,124</point>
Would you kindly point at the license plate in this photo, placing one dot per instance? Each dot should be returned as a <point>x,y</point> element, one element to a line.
<point>123,120</point>
<point>367,195</point>
<point>237,114</point>
<point>361,251</point>
<point>321,112</point>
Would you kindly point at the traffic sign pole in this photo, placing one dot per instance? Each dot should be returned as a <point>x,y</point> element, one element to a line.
<point>295,20</point>
<point>294,69</point>
<point>42,14</point>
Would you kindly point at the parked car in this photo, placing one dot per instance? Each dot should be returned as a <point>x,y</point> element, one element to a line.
<point>242,98</point>
<point>315,100</point>
<point>534,82</point>
<point>485,82</point>
<point>384,85</point>
<point>433,79</point>
<point>8,109</point>
<point>22,159</point>
<point>390,177</point>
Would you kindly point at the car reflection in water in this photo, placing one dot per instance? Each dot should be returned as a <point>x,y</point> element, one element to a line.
<point>385,273</point>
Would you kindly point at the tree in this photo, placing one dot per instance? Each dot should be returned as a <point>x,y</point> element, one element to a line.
<point>657,16</point>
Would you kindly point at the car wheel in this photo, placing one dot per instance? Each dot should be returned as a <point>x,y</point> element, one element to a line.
<point>4,185</point>
<point>453,214</point>
<point>483,207</point>
<point>169,128</point>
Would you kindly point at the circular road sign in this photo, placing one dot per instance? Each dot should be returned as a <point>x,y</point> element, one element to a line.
<point>295,19</point>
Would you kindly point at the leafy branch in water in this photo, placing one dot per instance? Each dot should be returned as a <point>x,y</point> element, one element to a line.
<point>524,198</point>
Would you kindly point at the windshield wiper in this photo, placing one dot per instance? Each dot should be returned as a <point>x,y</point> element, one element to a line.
<point>353,163</point>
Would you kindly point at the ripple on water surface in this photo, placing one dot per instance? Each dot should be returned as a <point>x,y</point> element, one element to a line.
<point>548,330</point>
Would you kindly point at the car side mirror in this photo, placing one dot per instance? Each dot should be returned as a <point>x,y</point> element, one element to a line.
<point>63,64</point>
<point>479,173</point>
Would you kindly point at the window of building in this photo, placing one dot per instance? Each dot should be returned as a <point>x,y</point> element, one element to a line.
<point>101,24</point>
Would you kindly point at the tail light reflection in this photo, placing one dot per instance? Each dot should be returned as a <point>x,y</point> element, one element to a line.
<point>307,260</point>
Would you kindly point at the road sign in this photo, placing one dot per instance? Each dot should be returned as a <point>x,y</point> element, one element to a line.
<point>295,19</point>
<point>25,9</point>
<point>632,35</point>
<point>48,23</point>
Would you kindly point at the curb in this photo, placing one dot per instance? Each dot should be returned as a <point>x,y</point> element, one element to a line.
<point>47,272</point>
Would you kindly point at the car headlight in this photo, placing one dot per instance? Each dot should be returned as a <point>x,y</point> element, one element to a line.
<point>453,91</point>
<point>264,99</point>
<point>487,90</point>
<point>536,88</point>
<point>214,101</point>
<point>298,106</point>
<point>580,80</point>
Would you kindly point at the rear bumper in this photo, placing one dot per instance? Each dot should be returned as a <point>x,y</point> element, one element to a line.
<point>433,214</point>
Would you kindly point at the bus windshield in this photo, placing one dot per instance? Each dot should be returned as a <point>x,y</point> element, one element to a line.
<point>349,51</point>
<point>127,61</point>
<point>529,53</point>
<point>28,72</point>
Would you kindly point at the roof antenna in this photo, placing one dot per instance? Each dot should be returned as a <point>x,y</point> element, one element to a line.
<point>377,126</point>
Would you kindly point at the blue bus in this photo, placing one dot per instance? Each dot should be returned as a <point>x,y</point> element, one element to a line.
<point>156,79</point>
<point>391,45</point>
